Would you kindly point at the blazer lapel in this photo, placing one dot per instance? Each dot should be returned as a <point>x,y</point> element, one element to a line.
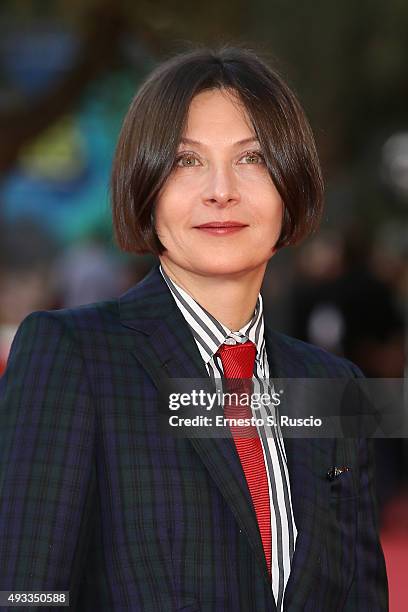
<point>307,458</point>
<point>165,347</point>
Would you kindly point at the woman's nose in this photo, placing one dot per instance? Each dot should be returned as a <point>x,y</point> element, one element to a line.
<point>221,188</point>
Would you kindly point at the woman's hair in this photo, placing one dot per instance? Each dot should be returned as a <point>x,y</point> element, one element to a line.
<point>155,123</point>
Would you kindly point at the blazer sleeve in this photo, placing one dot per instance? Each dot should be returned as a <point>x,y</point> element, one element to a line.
<point>369,589</point>
<point>47,431</point>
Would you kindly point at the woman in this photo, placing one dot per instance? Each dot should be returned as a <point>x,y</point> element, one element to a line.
<point>215,170</point>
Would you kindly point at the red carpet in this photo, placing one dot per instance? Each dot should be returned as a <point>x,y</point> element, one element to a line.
<point>394,540</point>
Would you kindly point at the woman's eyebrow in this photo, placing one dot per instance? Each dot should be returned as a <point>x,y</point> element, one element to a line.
<point>245,141</point>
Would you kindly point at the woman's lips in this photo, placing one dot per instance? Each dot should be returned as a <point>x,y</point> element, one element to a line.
<point>218,228</point>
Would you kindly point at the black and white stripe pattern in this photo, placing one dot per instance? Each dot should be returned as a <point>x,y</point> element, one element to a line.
<point>209,334</point>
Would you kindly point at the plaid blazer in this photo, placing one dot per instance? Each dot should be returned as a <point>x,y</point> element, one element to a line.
<point>96,500</point>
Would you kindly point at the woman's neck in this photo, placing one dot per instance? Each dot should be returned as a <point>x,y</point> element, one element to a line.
<point>231,300</point>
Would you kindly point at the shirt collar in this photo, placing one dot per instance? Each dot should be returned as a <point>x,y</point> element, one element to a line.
<point>209,333</point>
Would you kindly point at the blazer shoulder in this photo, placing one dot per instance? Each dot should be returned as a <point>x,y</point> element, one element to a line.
<point>79,325</point>
<point>61,332</point>
<point>317,355</point>
<point>78,317</point>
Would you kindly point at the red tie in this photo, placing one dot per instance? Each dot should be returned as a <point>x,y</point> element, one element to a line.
<point>238,363</point>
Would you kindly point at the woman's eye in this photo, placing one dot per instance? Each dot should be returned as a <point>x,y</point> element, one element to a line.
<point>186,161</point>
<point>253,157</point>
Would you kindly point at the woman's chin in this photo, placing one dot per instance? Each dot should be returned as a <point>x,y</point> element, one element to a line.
<point>225,266</point>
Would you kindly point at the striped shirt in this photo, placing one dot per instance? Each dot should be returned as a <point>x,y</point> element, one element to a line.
<point>209,335</point>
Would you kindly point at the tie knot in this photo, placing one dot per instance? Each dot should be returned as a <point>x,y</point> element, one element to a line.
<point>238,359</point>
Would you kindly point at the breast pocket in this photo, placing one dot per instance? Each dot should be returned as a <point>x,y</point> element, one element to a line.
<point>344,486</point>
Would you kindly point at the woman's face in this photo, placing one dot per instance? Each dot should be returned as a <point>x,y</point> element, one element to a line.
<point>219,178</point>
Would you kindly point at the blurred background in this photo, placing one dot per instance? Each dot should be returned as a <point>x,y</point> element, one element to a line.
<point>68,71</point>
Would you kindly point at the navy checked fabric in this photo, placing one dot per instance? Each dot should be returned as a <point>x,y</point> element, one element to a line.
<point>97,500</point>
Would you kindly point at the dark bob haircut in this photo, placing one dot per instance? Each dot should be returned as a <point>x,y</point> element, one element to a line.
<point>152,129</point>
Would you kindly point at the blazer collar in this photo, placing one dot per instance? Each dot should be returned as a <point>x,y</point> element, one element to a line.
<point>149,309</point>
<point>164,346</point>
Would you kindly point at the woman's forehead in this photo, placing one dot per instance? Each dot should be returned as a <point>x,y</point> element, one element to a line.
<point>214,112</point>
<point>221,98</point>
